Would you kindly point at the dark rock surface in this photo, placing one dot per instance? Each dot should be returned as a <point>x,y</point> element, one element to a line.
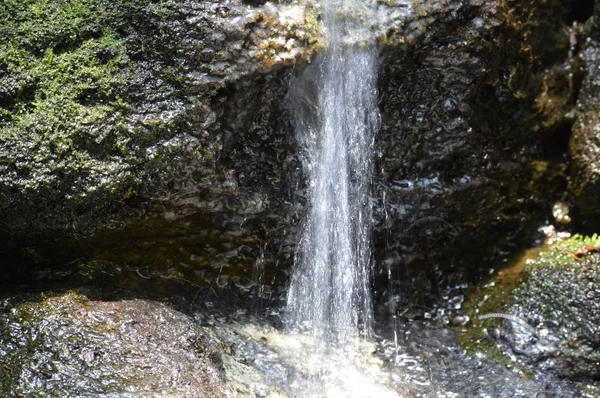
<point>67,345</point>
<point>442,367</point>
<point>585,140</point>
<point>474,98</point>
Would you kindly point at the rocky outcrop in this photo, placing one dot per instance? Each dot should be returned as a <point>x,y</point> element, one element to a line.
<point>175,113</point>
<point>474,95</point>
<point>554,319</point>
<point>67,345</point>
<point>104,107</point>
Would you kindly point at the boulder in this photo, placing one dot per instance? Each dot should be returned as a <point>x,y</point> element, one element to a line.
<point>66,345</point>
<point>553,321</point>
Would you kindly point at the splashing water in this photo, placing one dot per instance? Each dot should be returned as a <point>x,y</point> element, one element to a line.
<point>335,118</point>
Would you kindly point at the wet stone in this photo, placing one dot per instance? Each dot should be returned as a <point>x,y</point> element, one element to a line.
<point>584,146</point>
<point>68,345</point>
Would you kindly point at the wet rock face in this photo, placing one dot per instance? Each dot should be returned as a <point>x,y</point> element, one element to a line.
<point>559,301</point>
<point>466,103</point>
<point>69,346</point>
<point>183,105</point>
<point>585,139</point>
<point>103,106</point>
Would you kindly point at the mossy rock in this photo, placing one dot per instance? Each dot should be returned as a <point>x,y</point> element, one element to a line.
<point>104,106</point>
<point>559,299</point>
<point>92,109</point>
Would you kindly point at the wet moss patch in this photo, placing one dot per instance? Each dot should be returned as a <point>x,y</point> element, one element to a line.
<point>91,111</point>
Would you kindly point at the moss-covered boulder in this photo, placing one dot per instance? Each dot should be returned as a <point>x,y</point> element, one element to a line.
<point>68,345</point>
<point>554,315</point>
<point>104,106</point>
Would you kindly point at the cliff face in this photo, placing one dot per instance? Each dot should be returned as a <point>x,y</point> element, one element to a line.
<point>157,133</point>
<point>475,102</point>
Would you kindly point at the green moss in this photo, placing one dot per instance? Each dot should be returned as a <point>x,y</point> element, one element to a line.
<point>61,108</point>
<point>41,24</point>
<point>64,78</point>
<point>93,107</point>
<point>577,243</point>
<point>560,293</point>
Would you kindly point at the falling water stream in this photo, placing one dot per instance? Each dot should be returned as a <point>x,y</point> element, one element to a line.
<point>335,104</point>
<point>335,118</point>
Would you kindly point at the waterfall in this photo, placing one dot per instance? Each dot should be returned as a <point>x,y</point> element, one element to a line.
<point>335,118</point>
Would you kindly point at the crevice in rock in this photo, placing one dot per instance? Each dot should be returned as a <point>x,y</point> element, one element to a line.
<point>555,144</point>
<point>256,3</point>
<point>580,11</point>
